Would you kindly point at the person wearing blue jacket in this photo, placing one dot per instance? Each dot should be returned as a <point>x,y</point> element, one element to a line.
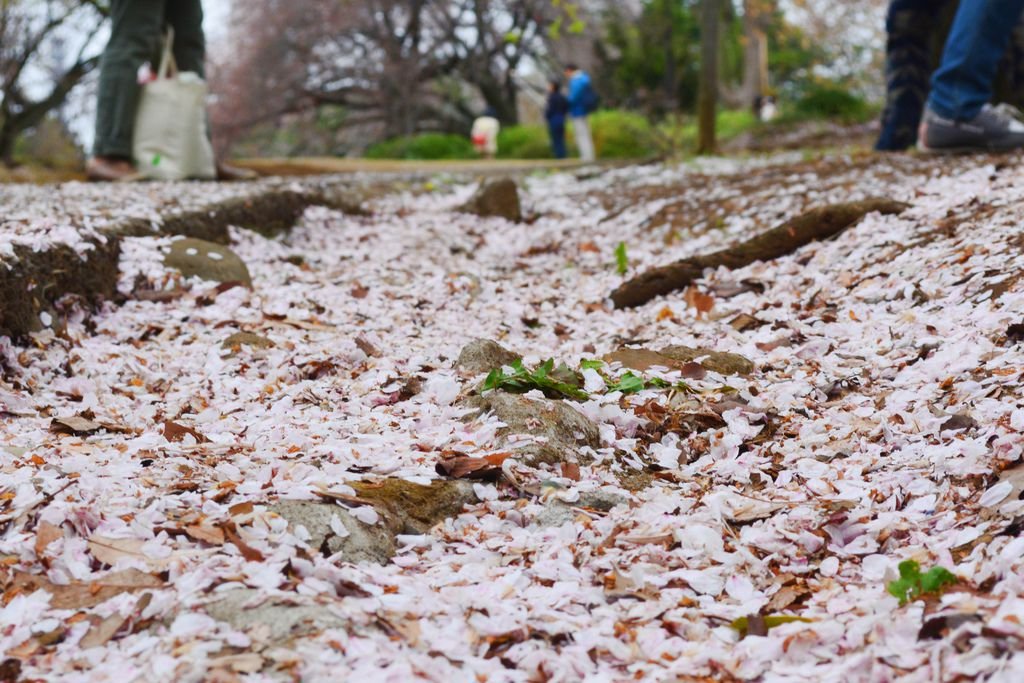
<point>582,101</point>
<point>555,112</point>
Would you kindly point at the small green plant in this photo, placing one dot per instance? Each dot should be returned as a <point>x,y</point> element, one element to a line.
<point>560,383</point>
<point>621,259</point>
<point>563,382</point>
<point>912,584</point>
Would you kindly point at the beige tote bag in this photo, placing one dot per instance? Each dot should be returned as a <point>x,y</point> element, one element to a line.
<point>171,140</point>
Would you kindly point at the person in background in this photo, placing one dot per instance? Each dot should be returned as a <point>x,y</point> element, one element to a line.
<point>485,134</point>
<point>765,108</point>
<point>582,103</point>
<point>555,112</point>
<point>136,31</point>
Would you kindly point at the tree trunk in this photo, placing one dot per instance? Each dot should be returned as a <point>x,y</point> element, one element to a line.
<point>755,52</point>
<point>816,224</point>
<point>8,135</point>
<point>707,101</point>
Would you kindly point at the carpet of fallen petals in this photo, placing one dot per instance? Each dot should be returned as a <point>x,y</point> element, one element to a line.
<point>883,423</point>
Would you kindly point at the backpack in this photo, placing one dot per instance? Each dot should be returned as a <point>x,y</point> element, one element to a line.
<point>591,100</point>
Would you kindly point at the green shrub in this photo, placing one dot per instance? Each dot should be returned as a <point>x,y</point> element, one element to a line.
<point>424,147</point>
<point>677,134</point>
<point>622,135</point>
<point>524,142</point>
<point>50,144</point>
<point>828,100</point>
<point>734,122</point>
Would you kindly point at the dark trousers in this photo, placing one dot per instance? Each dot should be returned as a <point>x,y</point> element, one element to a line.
<point>556,129</point>
<point>136,32</point>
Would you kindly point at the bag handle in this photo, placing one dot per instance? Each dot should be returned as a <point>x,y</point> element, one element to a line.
<point>168,65</point>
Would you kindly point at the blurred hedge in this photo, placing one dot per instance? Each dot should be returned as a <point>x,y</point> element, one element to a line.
<point>424,147</point>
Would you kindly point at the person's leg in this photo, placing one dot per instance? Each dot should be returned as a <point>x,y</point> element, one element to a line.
<point>134,40</point>
<point>557,133</point>
<point>909,27</point>
<point>186,18</point>
<point>963,83</point>
<point>584,140</point>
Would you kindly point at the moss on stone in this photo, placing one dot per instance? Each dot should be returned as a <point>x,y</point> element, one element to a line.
<point>417,507</point>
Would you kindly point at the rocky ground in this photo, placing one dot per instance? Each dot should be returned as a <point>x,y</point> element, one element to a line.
<point>337,450</point>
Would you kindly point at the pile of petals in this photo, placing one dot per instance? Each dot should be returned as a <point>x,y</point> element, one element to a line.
<point>142,453</point>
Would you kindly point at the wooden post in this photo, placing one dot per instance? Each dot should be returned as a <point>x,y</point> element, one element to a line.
<point>707,100</point>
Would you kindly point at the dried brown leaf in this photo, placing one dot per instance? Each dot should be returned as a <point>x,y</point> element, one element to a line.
<point>175,432</point>
<point>46,534</point>
<point>74,425</point>
<point>102,631</point>
<point>239,509</point>
<point>248,552</point>
<point>82,595</point>
<point>697,299</point>
<point>367,347</point>
<point>465,467</point>
<point>207,534</point>
<point>571,470</point>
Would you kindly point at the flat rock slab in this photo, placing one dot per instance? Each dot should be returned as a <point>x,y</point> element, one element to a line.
<point>677,357</point>
<point>563,430</point>
<point>207,260</point>
<point>402,506</point>
<point>359,543</point>
<point>274,620</point>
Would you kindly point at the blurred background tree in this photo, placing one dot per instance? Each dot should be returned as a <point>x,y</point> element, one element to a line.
<point>47,47</point>
<point>342,77</point>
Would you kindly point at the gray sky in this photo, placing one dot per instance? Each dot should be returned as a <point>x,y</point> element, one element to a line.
<point>216,18</point>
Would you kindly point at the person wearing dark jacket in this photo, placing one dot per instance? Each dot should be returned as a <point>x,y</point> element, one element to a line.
<point>555,112</point>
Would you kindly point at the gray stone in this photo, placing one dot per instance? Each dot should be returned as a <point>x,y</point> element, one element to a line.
<point>209,261</point>
<point>498,198</point>
<point>600,500</point>
<point>483,355</point>
<point>564,429</point>
<point>364,543</point>
<point>558,512</point>
<point>554,515</point>
<point>283,618</point>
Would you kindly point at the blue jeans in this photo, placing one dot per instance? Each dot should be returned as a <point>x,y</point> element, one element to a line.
<point>977,41</point>
<point>556,129</point>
